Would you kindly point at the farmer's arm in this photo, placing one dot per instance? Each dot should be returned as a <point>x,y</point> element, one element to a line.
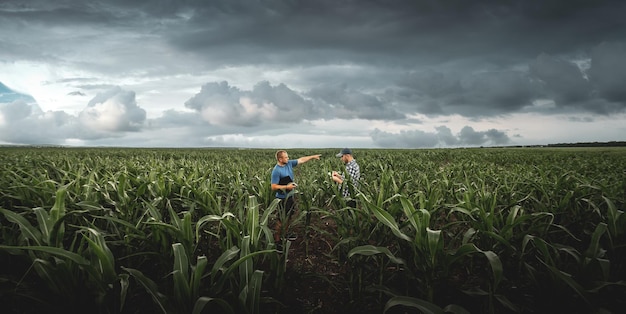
<point>288,187</point>
<point>276,179</point>
<point>337,177</point>
<point>304,159</point>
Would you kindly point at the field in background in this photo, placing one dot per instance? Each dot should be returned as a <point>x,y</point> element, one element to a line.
<point>490,230</point>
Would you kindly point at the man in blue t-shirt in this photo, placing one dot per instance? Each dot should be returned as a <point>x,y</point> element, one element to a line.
<point>283,183</point>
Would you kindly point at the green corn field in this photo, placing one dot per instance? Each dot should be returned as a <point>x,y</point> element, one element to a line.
<point>484,230</point>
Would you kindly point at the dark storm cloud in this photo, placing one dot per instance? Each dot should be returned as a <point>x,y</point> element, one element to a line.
<point>445,136</point>
<point>468,136</point>
<point>389,33</point>
<point>493,92</point>
<point>564,81</point>
<point>476,94</point>
<point>608,72</point>
<point>396,32</point>
<point>345,103</point>
<point>326,59</point>
<point>599,89</point>
<point>406,34</point>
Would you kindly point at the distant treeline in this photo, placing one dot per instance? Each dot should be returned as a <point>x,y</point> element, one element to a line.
<point>590,144</point>
<point>580,144</point>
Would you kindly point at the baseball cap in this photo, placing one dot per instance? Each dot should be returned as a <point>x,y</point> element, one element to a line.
<point>345,151</point>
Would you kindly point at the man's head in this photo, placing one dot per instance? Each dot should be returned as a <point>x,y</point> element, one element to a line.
<point>282,157</point>
<point>345,155</point>
<point>345,151</point>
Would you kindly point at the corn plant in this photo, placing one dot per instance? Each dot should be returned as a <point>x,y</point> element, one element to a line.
<point>424,249</point>
<point>187,279</point>
<point>570,274</point>
<point>487,230</point>
<point>82,282</point>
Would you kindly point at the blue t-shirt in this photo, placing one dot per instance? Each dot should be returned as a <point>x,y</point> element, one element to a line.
<point>283,175</point>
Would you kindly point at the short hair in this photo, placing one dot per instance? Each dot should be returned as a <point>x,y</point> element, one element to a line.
<point>280,153</point>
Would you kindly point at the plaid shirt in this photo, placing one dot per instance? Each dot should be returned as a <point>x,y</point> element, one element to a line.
<point>352,168</point>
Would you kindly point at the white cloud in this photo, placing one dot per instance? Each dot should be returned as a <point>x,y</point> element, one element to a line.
<point>108,116</point>
<point>113,111</point>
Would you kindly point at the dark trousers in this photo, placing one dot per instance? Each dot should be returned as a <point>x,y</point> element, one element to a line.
<point>287,206</point>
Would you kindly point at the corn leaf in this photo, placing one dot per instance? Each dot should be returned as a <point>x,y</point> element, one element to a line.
<point>424,306</point>
<point>246,268</point>
<point>594,250</point>
<point>105,262</point>
<point>202,302</point>
<point>198,272</point>
<point>235,265</point>
<point>369,250</point>
<point>250,295</point>
<point>181,271</point>
<point>150,287</point>
<point>384,217</point>
<point>58,252</point>
<point>28,231</point>
<point>124,284</point>
<point>252,220</point>
<point>227,256</point>
<point>210,218</point>
<point>45,224</point>
<point>435,243</point>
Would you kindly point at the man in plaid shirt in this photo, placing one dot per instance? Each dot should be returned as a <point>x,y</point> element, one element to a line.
<point>352,169</point>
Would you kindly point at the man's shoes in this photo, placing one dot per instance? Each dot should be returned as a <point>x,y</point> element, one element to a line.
<point>292,237</point>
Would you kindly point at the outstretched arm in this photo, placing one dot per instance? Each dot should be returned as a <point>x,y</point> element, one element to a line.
<point>304,159</point>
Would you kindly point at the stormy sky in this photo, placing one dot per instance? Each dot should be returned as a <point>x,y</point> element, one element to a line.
<point>302,73</point>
